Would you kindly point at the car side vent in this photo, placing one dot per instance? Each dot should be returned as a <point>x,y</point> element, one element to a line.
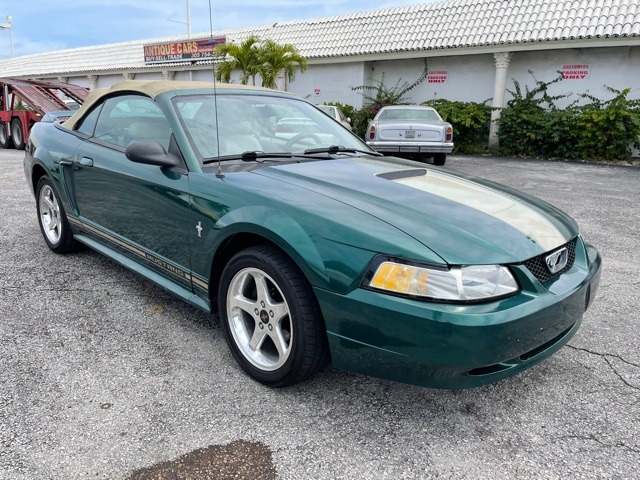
<point>400,174</point>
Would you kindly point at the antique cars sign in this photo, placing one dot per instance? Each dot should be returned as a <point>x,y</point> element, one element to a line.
<point>185,51</point>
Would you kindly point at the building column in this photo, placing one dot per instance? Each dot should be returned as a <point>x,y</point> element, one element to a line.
<point>168,74</point>
<point>93,81</point>
<point>502,64</point>
<point>368,69</point>
<point>281,81</point>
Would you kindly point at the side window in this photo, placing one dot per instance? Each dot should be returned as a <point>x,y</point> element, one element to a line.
<point>132,118</point>
<point>88,124</point>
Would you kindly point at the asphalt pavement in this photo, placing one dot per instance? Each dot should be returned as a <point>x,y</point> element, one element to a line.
<point>104,376</point>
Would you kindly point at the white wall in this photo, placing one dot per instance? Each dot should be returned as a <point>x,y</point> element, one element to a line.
<point>470,77</point>
<point>333,81</point>
<point>200,75</point>
<point>108,80</point>
<point>618,68</point>
<point>81,81</point>
<point>145,76</point>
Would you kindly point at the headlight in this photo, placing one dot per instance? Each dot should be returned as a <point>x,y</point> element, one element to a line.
<point>468,283</point>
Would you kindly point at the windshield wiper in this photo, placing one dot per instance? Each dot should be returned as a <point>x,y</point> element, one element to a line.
<point>249,156</point>
<point>253,156</point>
<point>259,156</point>
<point>339,149</point>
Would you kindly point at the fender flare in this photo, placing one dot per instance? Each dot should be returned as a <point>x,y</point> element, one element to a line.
<point>279,228</point>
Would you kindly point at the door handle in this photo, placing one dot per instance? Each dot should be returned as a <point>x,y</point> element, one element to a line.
<point>86,162</point>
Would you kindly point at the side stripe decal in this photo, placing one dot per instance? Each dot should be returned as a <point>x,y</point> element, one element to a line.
<point>169,267</point>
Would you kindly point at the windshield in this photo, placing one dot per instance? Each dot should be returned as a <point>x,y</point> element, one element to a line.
<point>258,123</point>
<point>409,114</point>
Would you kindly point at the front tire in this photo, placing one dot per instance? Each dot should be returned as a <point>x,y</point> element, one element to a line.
<point>270,318</point>
<point>53,219</point>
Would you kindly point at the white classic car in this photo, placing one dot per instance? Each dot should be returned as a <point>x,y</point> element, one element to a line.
<point>410,131</point>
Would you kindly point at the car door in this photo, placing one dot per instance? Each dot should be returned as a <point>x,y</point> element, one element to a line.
<point>139,210</point>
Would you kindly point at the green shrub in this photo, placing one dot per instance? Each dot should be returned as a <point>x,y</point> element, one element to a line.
<point>362,117</point>
<point>380,95</point>
<point>383,95</point>
<point>527,126</point>
<point>470,122</point>
<point>348,110</point>
<point>533,126</point>
<point>608,129</point>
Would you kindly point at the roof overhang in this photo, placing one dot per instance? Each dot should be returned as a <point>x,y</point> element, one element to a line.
<point>483,50</point>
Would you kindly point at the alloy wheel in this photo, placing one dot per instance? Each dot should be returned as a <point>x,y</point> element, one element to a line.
<point>50,214</point>
<point>259,319</point>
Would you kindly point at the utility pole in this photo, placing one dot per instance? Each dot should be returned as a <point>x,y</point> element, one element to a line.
<point>8,25</point>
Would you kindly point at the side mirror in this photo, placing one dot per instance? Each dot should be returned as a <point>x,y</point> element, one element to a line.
<point>150,153</point>
<point>349,119</point>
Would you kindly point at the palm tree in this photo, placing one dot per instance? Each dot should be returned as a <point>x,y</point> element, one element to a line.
<point>277,58</point>
<point>244,57</point>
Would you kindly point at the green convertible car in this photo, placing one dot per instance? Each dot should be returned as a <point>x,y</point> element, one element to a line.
<point>312,247</point>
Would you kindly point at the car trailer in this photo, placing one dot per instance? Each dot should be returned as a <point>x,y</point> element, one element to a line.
<point>25,102</point>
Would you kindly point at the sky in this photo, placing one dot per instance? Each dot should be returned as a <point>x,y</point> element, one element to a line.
<point>45,25</point>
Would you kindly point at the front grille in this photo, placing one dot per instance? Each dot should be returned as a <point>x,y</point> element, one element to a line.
<point>538,267</point>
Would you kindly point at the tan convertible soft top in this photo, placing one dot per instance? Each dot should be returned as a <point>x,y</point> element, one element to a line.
<point>151,88</point>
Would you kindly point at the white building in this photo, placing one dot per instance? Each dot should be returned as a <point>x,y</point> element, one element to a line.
<point>473,49</point>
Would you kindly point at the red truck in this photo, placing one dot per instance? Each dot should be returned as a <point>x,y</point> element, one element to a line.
<point>25,102</point>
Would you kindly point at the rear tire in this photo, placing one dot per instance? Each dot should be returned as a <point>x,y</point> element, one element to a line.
<point>439,158</point>
<point>5,140</point>
<point>53,219</point>
<point>270,318</point>
<point>17,134</point>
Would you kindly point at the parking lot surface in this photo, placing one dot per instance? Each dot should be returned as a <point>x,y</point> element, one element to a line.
<point>103,375</point>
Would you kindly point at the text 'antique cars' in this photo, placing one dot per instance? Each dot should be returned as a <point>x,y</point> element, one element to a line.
<point>312,247</point>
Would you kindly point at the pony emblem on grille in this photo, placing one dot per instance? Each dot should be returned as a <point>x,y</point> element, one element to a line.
<point>557,260</point>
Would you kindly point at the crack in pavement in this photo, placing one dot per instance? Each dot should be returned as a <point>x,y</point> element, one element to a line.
<point>622,379</point>
<point>581,349</point>
<point>634,284</point>
<point>597,440</point>
<point>608,362</point>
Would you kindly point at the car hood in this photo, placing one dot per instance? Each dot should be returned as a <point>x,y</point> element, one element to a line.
<point>462,219</point>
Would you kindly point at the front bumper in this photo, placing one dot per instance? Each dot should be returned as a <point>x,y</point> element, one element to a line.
<point>411,147</point>
<point>459,346</point>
